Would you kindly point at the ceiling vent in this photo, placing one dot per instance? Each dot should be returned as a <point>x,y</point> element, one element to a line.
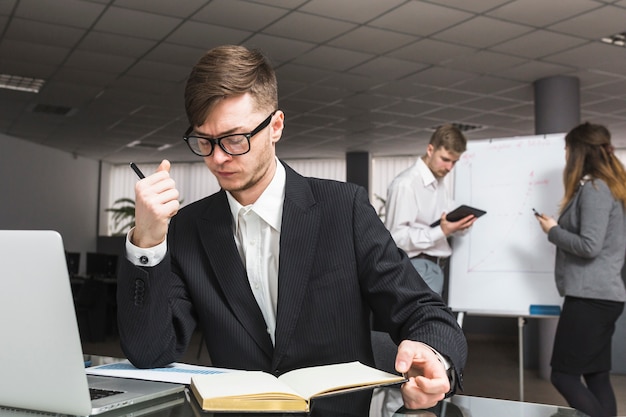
<point>54,110</point>
<point>463,127</point>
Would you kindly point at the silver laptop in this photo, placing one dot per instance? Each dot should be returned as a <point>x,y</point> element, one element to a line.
<point>41,359</point>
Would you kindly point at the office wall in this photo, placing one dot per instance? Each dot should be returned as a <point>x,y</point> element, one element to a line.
<point>43,188</point>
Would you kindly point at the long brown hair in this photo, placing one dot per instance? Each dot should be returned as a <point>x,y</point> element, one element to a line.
<point>590,153</point>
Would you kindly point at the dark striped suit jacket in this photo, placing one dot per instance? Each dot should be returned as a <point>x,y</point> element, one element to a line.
<point>338,264</point>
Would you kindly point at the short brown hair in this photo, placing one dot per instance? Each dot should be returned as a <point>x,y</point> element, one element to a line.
<point>226,71</point>
<point>449,137</point>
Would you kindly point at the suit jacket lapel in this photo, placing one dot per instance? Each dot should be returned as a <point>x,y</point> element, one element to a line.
<point>216,229</point>
<point>298,239</point>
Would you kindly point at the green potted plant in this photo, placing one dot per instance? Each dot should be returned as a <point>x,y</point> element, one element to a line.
<point>123,215</point>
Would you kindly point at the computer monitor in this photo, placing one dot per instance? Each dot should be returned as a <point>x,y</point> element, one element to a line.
<point>73,262</point>
<point>101,265</point>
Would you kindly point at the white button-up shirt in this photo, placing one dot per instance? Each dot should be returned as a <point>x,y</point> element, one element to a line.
<point>415,199</point>
<point>257,234</point>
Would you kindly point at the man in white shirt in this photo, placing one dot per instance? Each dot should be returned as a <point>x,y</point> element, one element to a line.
<point>417,197</point>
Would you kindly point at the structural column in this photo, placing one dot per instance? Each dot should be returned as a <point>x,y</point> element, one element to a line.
<point>358,169</point>
<point>557,104</point>
<point>557,110</point>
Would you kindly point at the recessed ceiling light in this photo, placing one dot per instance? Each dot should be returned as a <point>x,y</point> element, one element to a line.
<point>619,39</point>
<point>146,145</point>
<point>15,82</point>
<point>463,127</point>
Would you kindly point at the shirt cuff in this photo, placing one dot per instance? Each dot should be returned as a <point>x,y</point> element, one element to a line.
<point>144,256</point>
<point>448,367</point>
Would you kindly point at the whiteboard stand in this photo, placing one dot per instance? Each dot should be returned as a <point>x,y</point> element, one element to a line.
<point>521,321</point>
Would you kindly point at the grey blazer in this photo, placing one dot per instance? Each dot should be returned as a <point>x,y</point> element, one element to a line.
<point>338,263</point>
<point>591,243</point>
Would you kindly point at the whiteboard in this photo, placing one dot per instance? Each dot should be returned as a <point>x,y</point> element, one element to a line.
<point>505,264</point>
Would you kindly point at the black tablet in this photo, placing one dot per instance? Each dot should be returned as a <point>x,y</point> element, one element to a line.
<point>459,213</point>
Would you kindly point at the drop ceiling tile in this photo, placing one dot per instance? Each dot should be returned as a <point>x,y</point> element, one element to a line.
<point>487,85</point>
<point>169,53</point>
<point>136,23</point>
<point>331,58</point>
<point>345,10</point>
<point>86,60</point>
<point>77,13</point>
<point>277,49</point>
<point>479,32</point>
<point>383,68</point>
<point>440,77</point>
<point>402,89</point>
<point>444,96</point>
<point>538,44</point>
<point>110,43</point>
<point>159,71</point>
<point>6,7</point>
<point>205,36</point>
<point>371,40</point>
<point>451,114</point>
<point>43,33</point>
<point>308,28</point>
<point>540,13</point>
<point>591,52</point>
<point>586,25</point>
<point>238,14</point>
<point>32,52</point>
<point>608,106</point>
<point>432,51</point>
<point>301,73</point>
<point>490,104</point>
<point>351,82</point>
<point>531,71</point>
<point>419,18</point>
<point>478,6</point>
<point>163,7</point>
<point>409,108</point>
<point>484,61</point>
<point>84,77</point>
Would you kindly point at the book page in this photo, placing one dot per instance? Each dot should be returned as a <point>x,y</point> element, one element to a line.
<point>240,384</point>
<point>317,380</point>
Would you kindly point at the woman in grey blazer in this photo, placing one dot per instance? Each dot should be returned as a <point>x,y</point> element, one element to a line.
<point>590,238</point>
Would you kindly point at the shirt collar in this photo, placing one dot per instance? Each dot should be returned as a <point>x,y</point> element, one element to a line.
<point>269,205</point>
<point>427,175</point>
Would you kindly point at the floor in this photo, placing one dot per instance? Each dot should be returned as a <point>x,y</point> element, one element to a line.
<point>492,371</point>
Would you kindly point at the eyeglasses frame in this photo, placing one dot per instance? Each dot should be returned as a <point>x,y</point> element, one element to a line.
<point>218,141</point>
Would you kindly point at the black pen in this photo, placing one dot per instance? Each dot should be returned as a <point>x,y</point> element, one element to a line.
<point>137,170</point>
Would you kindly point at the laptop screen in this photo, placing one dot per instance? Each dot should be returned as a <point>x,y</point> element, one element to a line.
<point>40,355</point>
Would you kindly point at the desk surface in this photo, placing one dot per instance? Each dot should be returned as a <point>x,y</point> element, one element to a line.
<point>387,403</point>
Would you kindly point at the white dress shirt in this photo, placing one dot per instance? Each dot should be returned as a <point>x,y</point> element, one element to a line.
<point>257,234</point>
<point>256,228</point>
<point>415,199</point>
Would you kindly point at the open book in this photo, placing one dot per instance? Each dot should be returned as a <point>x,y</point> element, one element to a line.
<point>290,392</point>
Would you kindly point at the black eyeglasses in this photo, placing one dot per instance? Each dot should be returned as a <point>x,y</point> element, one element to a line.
<point>235,144</point>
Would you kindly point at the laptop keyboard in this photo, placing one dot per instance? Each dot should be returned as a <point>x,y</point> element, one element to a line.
<point>96,393</point>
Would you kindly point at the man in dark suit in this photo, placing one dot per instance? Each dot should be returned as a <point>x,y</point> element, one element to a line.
<point>277,270</point>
